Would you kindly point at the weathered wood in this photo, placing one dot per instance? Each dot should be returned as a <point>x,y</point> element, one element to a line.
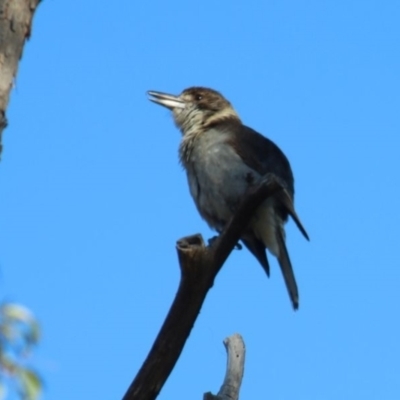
<point>234,370</point>
<point>15,27</point>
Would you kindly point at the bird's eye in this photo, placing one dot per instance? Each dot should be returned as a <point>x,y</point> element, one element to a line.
<point>198,97</point>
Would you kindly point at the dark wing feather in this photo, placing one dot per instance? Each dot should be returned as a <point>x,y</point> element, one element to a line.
<point>257,248</point>
<point>287,203</point>
<point>261,154</point>
<point>264,156</point>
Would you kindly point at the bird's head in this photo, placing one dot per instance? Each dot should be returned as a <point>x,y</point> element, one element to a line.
<point>196,108</point>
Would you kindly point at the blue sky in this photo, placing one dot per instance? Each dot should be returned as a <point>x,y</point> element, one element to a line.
<point>93,197</point>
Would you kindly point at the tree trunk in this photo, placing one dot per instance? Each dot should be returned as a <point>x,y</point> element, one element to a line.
<point>15,27</point>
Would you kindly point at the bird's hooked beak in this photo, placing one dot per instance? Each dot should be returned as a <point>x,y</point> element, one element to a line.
<point>167,100</point>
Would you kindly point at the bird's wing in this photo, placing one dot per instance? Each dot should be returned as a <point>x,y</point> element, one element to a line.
<point>257,248</point>
<point>286,201</point>
<point>262,155</point>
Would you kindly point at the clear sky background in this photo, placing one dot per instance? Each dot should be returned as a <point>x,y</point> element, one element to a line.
<point>93,198</point>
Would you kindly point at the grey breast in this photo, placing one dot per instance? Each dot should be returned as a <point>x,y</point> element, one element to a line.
<point>217,177</point>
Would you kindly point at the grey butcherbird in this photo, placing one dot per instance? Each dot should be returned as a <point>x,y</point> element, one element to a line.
<point>222,158</point>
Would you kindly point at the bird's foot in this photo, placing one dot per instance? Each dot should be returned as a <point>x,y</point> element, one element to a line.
<point>212,240</point>
<point>238,246</point>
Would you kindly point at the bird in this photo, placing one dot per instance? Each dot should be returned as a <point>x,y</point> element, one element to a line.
<point>223,158</point>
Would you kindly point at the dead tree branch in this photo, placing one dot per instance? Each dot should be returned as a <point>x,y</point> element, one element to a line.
<point>234,370</point>
<point>199,266</point>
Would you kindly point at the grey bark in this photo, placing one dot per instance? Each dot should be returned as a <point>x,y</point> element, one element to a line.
<point>234,370</point>
<point>15,28</point>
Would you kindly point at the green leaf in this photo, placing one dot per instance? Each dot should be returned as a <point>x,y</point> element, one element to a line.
<point>31,384</point>
<point>3,391</point>
<point>18,313</point>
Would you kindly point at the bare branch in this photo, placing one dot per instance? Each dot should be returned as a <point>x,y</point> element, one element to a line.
<point>199,267</point>
<point>15,28</point>
<point>234,370</point>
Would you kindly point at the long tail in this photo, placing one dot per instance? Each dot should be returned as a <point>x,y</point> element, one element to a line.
<point>286,268</point>
<point>268,228</point>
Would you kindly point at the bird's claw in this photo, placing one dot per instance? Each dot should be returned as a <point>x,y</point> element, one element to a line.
<point>212,240</point>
